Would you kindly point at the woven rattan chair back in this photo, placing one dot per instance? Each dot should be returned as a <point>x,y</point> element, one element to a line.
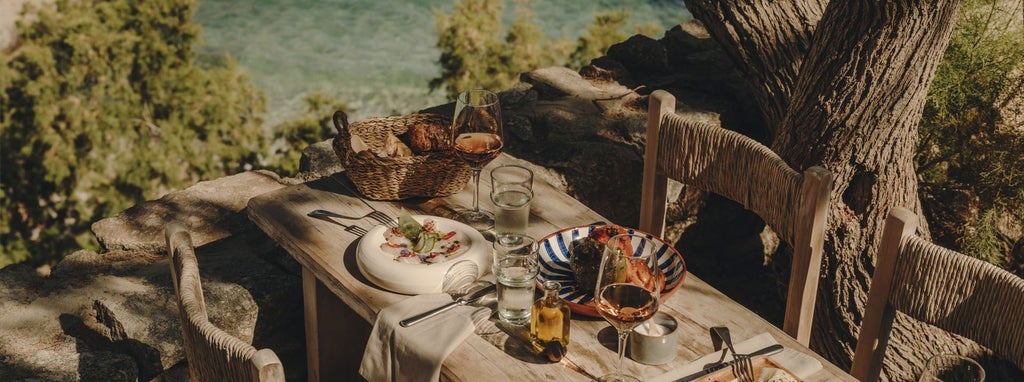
<point>741,169</point>
<point>212,354</point>
<point>940,287</point>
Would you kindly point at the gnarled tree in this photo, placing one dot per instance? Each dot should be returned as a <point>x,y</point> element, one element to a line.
<point>843,84</point>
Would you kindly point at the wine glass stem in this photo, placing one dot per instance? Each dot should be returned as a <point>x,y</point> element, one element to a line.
<point>476,191</point>
<point>623,337</point>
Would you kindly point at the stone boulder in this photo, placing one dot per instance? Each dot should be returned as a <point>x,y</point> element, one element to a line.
<point>211,210</point>
<point>112,316</point>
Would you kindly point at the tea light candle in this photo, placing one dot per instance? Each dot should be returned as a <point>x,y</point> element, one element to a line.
<point>650,328</point>
<point>654,341</point>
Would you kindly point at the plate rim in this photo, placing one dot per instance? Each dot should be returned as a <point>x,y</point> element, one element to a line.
<point>477,252</point>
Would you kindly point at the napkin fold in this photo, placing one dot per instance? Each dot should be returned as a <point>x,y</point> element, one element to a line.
<point>414,353</point>
<point>800,364</point>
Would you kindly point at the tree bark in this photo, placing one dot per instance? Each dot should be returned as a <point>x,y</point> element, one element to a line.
<point>855,110</point>
<point>768,40</point>
<point>852,104</point>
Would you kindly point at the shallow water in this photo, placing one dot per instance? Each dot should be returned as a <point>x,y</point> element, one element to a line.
<point>376,55</point>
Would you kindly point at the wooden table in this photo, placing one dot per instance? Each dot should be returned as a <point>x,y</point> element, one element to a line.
<point>341,305</point>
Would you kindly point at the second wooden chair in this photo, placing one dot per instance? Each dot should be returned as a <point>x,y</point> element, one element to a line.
<point>741,169</point>
<point>940,287</point>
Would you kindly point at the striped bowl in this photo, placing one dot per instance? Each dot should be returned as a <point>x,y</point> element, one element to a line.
<point>554,252</point>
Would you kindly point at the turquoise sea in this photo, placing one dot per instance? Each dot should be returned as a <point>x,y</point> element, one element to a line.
<point>376,55</point>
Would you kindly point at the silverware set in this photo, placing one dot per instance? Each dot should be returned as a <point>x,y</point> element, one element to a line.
<point>375,215</point>
<point>325,215</point>
<point>380,217</point>
<point>466,299</point>
<point>768,350</point>
<point>742,366</point>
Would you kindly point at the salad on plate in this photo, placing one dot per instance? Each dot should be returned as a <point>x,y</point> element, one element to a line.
<point>415,243</point>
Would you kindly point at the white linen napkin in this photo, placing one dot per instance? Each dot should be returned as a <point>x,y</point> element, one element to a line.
<point>800,364</point>
<point>415,353</point>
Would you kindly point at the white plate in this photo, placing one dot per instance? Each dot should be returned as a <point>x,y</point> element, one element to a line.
<point>382,269</point>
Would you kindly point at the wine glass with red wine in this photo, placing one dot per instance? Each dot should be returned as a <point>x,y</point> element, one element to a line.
<point>477,139</point>
<point>628,288</point>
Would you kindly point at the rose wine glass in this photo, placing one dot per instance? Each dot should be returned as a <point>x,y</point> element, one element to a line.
<point>628,288</point>
<point>477,139</point>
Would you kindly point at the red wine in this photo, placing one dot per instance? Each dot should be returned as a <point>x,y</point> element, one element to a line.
<point>625,305</point>
<point>478,149</point>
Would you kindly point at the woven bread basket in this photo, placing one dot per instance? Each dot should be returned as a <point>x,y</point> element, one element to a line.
<point>435,174</point>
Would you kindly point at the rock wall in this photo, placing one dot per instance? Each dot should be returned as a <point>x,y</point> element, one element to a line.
<point>111,316</point>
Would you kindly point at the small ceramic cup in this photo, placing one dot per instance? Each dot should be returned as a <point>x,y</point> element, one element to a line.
<point>655,341</point>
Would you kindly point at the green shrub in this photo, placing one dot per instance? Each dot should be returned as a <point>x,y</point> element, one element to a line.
<point>474,55</point>
<point>292,136</point>
<point>101,106</point>
<point>603,33</point>
<point>965,138</point>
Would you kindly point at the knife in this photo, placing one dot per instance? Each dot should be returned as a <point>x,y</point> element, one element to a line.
<point>467,299</point>
<point>765,351</point>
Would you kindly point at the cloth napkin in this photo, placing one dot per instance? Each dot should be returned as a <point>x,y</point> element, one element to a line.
<point>415,353</point>
<point>800,364</point>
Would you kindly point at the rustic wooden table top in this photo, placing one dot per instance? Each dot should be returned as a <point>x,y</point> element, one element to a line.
<point>497,351</point>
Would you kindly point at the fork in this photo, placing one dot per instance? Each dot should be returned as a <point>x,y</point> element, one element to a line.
<point>375,215</point>
<point>353,229</point>
<point>742,366</point>
<point>380,217</point>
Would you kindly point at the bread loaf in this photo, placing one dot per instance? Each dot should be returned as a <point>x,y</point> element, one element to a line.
<point>425,137</point>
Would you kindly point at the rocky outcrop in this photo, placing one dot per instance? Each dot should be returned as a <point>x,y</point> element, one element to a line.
<point>111,315</point>
<point>210,209</point>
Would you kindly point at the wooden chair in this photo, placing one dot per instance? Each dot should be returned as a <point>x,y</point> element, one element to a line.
<point>940,287</point>
<point>213,355</point>
<point>743,170</point>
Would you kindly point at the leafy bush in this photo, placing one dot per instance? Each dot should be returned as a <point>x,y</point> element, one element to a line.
<point>473,55</point>
<point>967,135</point>
<point>101,106</point>
<point>605,31</point>
<point>292,136</point>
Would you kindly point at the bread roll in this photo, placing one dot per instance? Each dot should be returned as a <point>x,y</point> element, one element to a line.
<point>426,137</point>
<point>394,147</point>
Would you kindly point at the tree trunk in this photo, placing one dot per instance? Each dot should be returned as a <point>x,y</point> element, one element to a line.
<point>768,40</point>
<point>853,108</point>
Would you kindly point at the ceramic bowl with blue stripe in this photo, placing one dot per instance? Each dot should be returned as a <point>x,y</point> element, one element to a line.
<point>554,251</point>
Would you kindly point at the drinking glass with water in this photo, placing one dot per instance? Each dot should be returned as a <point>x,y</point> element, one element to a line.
<point>516,266</point>
<point>511,192</point>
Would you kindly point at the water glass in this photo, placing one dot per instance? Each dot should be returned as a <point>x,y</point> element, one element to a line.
<point>952,368</point>
<point>511,192</point>
<point>516,267</point>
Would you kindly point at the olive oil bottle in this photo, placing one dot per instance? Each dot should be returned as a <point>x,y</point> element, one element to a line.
<point>549,323</point>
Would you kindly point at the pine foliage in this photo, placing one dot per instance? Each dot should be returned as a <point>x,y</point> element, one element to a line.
<point>102,105</point>
<point>474,54</point>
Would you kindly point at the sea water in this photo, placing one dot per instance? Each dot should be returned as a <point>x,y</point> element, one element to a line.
<point>377,56</point>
